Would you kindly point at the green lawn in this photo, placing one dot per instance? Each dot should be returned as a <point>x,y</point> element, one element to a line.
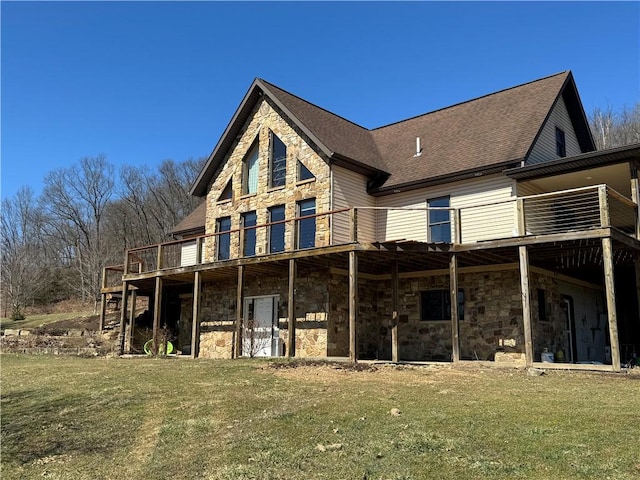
<point>109,418</point>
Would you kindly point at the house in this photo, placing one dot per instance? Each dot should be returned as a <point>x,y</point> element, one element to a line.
<point>488,230</point>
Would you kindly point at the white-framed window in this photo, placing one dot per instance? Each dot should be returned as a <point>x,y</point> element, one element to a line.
<point>439,219</point>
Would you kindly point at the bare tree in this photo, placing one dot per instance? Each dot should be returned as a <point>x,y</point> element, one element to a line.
<point>615,129</point>
<point>75,200</point>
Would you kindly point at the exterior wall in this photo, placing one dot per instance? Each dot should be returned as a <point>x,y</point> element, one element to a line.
<point>545,147</point>
<point>590,327</point>
<point>266,118</point>
<point>479,223</point>
<point>492,327</point>
<point>218,313</point>
<point>350,190</point>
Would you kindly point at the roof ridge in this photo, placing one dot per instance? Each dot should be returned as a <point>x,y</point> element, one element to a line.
<point>314,105</point>
<point>470,100</point>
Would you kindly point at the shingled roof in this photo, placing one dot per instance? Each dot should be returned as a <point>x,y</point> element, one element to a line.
<point>192,224</point>
<point>481,135</point>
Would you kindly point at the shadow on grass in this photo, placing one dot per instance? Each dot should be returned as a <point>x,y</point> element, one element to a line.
<point>39,423</point>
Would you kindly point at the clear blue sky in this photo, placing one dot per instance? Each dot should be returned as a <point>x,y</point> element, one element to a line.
<point>142,82</point>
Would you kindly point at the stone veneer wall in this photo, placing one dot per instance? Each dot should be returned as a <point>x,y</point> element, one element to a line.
<point>266,118</point>
<point>218,313</point>
<point>492,326</point>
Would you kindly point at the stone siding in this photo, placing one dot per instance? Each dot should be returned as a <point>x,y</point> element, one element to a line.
<point>264,119</point>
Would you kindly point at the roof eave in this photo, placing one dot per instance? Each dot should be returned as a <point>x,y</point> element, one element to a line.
<point>447,178</point>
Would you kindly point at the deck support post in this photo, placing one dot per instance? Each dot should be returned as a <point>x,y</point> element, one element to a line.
<point>123,317</point>
<point>132,318</point>
<point>237,348</point>
<point>103,311</point>
<point>525,292</point>
<point>636,265</point>
<point>291,309</point>
<point>455,325</point>
<point>394,313</point>
<point>353,306</point>
<point>610,292</point>
<point>635,196</point>
<point>195,322</point>
<point>157,311</point>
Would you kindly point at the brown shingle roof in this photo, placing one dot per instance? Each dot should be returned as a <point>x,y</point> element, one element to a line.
<point>490,130</point>
<point>496,130</point>
<point>342,137</point>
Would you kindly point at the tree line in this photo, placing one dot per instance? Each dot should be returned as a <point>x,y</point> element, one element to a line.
<point>55,245</point>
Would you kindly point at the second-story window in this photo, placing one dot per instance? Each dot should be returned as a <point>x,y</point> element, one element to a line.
<point>276,229</point>
<point>439,220</point>
<point>249,220</point>
<point>561,146</point>
<point>223,227</point>
<point>250,170</point>
<point>307,226</point>
<point>278,162</point>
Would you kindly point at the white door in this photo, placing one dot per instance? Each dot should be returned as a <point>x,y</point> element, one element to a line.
<point>260,327</point>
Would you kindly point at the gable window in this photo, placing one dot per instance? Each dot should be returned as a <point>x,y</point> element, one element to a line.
<point>439,220</point>
<point>436,305</point>
<point>276,229</point>
<point>561,146</point>
<point>304,173</point>
<point>249,220</point>
<point>278,162</point>
<point>250,170</point>
<point>227,193</point>
<point>307,226</point>
<point>223,228</point>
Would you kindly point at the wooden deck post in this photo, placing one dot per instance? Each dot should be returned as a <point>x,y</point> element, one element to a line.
<point>157,311</point>
<point>132,319</point>
<point>195,323</point>
<point>353,306</point>
<point>103,300</point>
<point>610,292</point>
<point>353,218</point>
<point>103,311</point>
<point>123,317</point>
<point>635,196</point>
<point>291,309</point>
<point>455,324</point>
<point>394,314</point>
<point>603,200</point>
<point>237,349</point>
<point>522,227</point>
<point>526,304</point>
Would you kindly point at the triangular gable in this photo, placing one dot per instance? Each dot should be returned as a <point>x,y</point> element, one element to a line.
<point>334,136</point>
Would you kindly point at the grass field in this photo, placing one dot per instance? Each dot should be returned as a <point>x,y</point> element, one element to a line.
<point>110,418</point>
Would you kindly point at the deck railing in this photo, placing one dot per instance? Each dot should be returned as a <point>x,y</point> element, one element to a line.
<point>564,211</point>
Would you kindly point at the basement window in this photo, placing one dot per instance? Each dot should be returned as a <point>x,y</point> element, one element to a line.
<point>435,305</point>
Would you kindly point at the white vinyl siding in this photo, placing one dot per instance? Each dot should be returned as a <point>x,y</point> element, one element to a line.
<point>350,190</point>
<point>188,254</point>
<point>479,221</point>
<point>545,147</point>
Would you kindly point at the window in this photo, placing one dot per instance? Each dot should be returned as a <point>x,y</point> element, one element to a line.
<point>249,220</point>
<point>223,227</point>
<point>307,226</point>
<point>276,231</point>
<point>561,146</point>
<point>439,220</point>
<point>250,170</point>
<point>436,305</point>
<point>304,173</point>
<point>227,193</point>
<point>278,167</point>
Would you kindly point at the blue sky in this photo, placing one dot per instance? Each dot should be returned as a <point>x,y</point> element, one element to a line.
<point>147,81</point>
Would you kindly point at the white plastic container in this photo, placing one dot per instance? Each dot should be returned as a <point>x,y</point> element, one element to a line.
<point>546,357</point>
